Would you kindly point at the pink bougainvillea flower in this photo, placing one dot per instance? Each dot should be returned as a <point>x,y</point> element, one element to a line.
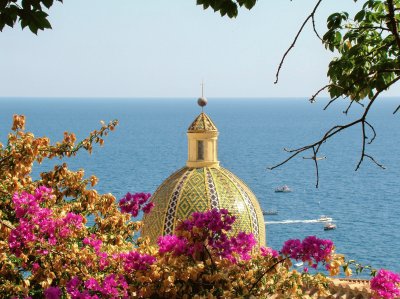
<point>52,293</point>
<point>386,284</point>
<point>133,203</point>
<point>269,252</point>
<point>311,249</point>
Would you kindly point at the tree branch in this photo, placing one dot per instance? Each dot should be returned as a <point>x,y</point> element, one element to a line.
<point>373,130</point>
<point>335,130</point>
<point>397,109</point>
<point>392,19</point>
<point>348,107</point>
<point>330,102</point>
<point>314,28</point>
<point>311,16</point>
<point>312,99</point>
<point>7,224</point>
<point>265,272</point>
<point>316,166</point>
<point>373,160</point>
<point>363,146</point>
<point>351,103</point>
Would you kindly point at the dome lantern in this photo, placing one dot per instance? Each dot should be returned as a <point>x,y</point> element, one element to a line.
<point>202,143</point>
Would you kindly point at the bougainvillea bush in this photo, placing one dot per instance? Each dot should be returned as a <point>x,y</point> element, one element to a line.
<point>48,251</point>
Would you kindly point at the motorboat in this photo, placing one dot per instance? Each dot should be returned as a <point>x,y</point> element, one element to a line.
<point>324,218</point>
<point>283,189</point>
<point>329,226</point>
<point>299,264</point>
<point>270,212</point>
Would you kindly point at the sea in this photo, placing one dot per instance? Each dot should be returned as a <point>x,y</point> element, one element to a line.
<point>150,143</point>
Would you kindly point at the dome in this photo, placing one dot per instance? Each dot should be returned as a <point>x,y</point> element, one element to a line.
<point>200,186</point>
<point>200,189</point>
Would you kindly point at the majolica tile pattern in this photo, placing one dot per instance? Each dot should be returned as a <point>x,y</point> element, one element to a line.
<point>202,123</point>
<point>200,189</point>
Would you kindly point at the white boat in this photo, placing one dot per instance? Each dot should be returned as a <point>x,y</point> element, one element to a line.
<point>329,226</point>
<point>324,218</point>
<point>299,264</point>
<point>283,189</point>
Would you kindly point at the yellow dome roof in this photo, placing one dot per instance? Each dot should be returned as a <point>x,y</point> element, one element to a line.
<point>200,189</point>
<point>202,123</point>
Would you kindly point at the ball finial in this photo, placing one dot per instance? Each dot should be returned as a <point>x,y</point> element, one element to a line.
<point>202,101</point>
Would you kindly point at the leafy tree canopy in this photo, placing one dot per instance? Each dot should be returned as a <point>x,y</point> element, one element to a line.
<point>29,12</point>
<point>227,7</point>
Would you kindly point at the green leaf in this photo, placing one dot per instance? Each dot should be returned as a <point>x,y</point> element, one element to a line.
<point>47,3</point>
<point>359,16</point>
<point>249,4</point>
<point>33,28</point>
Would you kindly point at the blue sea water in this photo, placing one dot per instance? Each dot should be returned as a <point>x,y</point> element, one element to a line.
<point>150,143</point>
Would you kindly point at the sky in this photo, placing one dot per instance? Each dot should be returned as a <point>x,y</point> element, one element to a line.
<point>160,48</point>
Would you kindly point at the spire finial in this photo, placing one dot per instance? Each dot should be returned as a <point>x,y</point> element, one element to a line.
<point>202,101</point>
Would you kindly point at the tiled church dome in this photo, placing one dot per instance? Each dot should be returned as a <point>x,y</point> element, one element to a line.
<point>200,186</point>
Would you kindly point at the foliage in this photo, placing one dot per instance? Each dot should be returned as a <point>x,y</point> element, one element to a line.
<point>369,48</point>
<point>227,7</point>
<point>30,13</point>
<point>48,249</point>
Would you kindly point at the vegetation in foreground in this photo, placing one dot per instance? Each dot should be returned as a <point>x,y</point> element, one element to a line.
<point>48,250</point>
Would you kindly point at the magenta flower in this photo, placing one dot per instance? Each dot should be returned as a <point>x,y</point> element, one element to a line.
<point>214,220</point>
<point>38,224</point>
<point>52,293</point>
<point>311,249</point>
<point>269,252</point>
<point>73,287</point>
<point>134,260</point>
<point>133,203</point>
<point>386,284</point>
<point>292,248</point>
<point>113,286</point>
<point>208,232</point>
<point>175,244</point>
<point>93,242</point>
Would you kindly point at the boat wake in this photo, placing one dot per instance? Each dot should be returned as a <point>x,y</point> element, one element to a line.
<point>290,221</point>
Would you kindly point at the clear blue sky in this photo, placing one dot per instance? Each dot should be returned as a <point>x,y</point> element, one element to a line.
<point>160,48</point>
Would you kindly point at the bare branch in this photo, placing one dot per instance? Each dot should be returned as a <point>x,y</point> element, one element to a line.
<point>316,166</point>
<point>348,107</point>
<point>397,109</point>
<point>295,40</point>
<point>359,103</point>
<point>351,103</point>
<point>373,160</point>
<point>338,128</point>
<point>314,28</point>
<point>373,131</point>
<point>312,99</point>
<point>363,146</point>
<point>7,224</point>
<point>287,160</point>
<point>330,102</point>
